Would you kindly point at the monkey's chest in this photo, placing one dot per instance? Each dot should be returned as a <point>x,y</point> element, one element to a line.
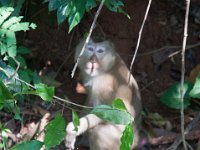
<point>102,89</point>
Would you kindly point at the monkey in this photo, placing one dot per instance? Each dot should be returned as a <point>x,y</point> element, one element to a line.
<point>105,77</point>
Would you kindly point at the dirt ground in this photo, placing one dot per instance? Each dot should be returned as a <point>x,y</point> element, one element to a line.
<point>52,49</point>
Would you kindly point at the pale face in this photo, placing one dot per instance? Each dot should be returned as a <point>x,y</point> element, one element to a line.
<point>97,58</point>
<point>94,53</point>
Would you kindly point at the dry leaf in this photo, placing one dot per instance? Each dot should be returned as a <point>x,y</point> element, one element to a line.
<point>194,73</point>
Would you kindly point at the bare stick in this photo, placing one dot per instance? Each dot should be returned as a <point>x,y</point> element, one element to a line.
<point>158,50</point>
<point>187,48</point>
<point>88,37</point>
<point>183,73</point>
<point>139,37</point>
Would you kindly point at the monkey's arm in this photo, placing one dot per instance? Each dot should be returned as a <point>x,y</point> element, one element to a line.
<point>86,123</point>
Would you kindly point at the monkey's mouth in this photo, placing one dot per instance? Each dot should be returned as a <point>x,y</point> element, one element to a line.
<point>92,68</point>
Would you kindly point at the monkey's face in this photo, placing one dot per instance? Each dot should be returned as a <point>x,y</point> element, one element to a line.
<point>98,58</point>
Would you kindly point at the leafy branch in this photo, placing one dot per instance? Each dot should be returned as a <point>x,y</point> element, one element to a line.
<point>74,10</point>
<point>8,26</point>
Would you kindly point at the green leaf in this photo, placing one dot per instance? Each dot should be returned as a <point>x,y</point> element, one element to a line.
<point>2,33</point>
<point>54,4</point>
<point>23,50</point>
<point>50,81</point>
<point>1,145</point>
<point>73,20</point>
<point>55,132</point>
<point>64,11</point>
<point>90,4</point>
<point>22,26</point>
<point>22,61</point>
<point>113,115</point>
<point>18,7</point>
<point>3,48</point>
<point>76,120</point>
<point>30,145</point>
<point>5,13</point>
<point>36,78</point>
<point>11,43</point>
<point>171,96</point>
<point>5,73</point>
<point>12,52</point>
<point>44,1</point>
<point>120,10</point>
<point>76,14</point>
<point>195,92</point>
<point>24,74</point>
<point>5,2</point>
<point>11,21</point>
<point>33,26</point>
<point>113,5</point>
<point>119,104</point>
<point>11,62</point>
<point>30,92</point>
<point>4,94</point>
<point>127,138</point>
<point>17,113</point>
<point>45,92</point>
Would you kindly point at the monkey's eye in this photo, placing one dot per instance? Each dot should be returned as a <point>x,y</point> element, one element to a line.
<point>100,50</point>
<point>90,49</point>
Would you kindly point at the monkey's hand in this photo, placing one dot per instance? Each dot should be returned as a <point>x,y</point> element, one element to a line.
<point>87,122</point>
<point>70,138</point>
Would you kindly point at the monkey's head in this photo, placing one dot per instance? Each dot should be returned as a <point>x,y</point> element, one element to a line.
<point>98,57</point>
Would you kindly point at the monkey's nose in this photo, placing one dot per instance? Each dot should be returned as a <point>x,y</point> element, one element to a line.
<point>93,58</point>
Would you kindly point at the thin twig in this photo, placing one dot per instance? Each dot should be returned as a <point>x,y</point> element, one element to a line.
<point>187,48</point>
<point>189,127</point>
<point>66,99</point>
<point>176,143</point>
<point>69,107</point>
<point>139,37</point>
<point>63,108</point>
<point>158,50</point>
<point>193,124</point>
<point>183,73</point>
<point>88,37</point>
<point>147,85</point>
<point>69,102</point>
<point>16,70</point>
<point>58,98</point>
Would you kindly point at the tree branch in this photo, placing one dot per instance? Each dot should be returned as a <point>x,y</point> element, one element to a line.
<point>183,73</point>
<point>139,36</point>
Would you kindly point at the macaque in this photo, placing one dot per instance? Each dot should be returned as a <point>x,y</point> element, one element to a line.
<point>105,77</point>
